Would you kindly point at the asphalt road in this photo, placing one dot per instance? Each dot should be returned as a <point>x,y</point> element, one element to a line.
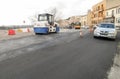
<point>81,58</point>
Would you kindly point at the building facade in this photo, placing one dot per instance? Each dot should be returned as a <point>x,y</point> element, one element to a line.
<point>110,15</point>
<point>83,20</point>
<point>117,19</point>
<point>69,21</point>
<point>98,13</point>
<point>113,11</point>
<point>74,19</point>
<point>63,23</point>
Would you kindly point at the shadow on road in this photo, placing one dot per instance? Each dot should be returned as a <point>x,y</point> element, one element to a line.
<point>106,39</point>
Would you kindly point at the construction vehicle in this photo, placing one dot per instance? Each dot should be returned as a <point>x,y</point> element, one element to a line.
<point>45,24</point>
<point>77,25</point>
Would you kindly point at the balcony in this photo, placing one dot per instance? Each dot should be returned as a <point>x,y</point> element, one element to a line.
<point>102,9</point>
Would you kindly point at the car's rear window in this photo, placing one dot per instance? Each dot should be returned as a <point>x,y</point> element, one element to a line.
<point>106,26</point>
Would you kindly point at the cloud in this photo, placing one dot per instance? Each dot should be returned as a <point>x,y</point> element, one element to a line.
<point>15,11</point>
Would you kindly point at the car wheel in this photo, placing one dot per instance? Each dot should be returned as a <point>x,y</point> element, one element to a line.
<point>95,36</point>
<point>113,39</point>
<point>36,33</point>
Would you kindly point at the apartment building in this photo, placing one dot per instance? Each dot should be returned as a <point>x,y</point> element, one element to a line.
<point>98,13</point>
<point>63,23</point>
<point>70,20</point>
<point>113,11</point>
<point>117,17</point>
<point>83,20</point>
<point>74,19</point>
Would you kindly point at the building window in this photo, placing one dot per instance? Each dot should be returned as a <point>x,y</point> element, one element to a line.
<point>98,7</point>
<point>118,10</point>
<point>118,20</point>
<point>102,7</point>
<point>107,13</point>
<point>112,12</point>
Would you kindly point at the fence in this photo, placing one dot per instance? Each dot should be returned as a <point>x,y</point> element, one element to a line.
<point>15,27</point>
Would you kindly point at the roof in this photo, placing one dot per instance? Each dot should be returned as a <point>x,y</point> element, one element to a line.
<point>45,14</point>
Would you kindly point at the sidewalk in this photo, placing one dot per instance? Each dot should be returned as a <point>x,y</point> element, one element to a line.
<point>115,69</point>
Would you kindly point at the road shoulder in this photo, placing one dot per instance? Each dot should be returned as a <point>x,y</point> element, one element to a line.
<point>115,69</point>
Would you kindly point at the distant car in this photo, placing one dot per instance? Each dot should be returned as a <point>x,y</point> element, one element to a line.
<point>86,27</point>
<point>106,30</point>
<point>95,26</point>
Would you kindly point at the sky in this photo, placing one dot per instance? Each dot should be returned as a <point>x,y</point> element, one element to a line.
<point>14,12</point>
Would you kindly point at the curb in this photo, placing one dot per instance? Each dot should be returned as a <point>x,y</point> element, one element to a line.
<point>115,69</point>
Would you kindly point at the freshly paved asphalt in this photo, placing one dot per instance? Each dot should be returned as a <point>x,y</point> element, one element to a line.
<point>81,58</point>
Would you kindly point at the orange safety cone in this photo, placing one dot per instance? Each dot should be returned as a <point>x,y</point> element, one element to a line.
<point>11,32</point>
<point>81,34</point>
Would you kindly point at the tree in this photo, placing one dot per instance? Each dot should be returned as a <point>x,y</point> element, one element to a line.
<point>33,18</point>
<point>56,12</point>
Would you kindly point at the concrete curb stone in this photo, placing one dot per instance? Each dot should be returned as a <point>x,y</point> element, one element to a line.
<point>115,69</point>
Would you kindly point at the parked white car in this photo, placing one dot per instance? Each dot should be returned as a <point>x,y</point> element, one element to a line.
<point>106,30</point>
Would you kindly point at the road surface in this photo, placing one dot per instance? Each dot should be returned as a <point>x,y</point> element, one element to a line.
<point>69,57</point>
